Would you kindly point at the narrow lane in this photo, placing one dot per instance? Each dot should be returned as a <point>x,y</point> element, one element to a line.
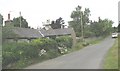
<point>90,57</point>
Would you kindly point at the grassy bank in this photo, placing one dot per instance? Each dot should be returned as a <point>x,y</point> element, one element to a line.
<point>0,54</point>
<point>88,41</point>
<point>111,60</point>
<point>119,52</point>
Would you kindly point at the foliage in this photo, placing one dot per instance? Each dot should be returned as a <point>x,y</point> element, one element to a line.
<point>17,53</point>
<point>111,60</point>
<point>115,29</point>
<point>102,27</point>
<point>1,20</point>
<point>44,43</point>
<point>80,19</point>
<point>64,41</point>
<point>52,54</point>
<point>0,35</point>
<point>119,51</point>
<point>119,28</point>
<point>88,32</point>
<point>57,24</point>
<point>13,52</point>
<point>8,55</point>
<point>16,22</point>
<point>78,16</point>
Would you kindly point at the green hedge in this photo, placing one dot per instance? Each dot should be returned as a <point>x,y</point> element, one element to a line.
<point>44,43</point>
<point>15,52</point>
<point>65,41</point>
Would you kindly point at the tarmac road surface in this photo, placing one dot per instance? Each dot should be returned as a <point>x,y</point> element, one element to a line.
<point>90,57</point>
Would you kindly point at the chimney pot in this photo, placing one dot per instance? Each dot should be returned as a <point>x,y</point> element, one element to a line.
<point>9,16</point>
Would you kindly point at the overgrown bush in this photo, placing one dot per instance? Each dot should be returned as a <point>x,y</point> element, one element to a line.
<point>7,55</point>
<point>65,41</point>
<point>52,54</point>
<point>26,51</point>
<point>44,43</point>
<point>15,52</point>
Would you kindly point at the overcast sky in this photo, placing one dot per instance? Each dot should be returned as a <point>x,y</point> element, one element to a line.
<point>38,11</point>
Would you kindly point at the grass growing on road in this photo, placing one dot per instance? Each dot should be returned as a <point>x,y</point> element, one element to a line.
<point>111,60</point>
<point>96,41</point>
<point>80,45</point>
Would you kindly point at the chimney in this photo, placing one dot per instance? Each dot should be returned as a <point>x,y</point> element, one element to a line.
<point>9,16</point>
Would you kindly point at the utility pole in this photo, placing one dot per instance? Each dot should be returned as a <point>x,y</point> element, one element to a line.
<point>20,19</point>
<point>82,27</point>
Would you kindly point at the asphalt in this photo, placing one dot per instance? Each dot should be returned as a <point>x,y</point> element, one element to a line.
<point>90,57</point>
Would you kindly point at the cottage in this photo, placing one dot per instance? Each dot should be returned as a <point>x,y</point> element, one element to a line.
<point>23,34</point>
<point>59,32</point>
<point>28,34</point>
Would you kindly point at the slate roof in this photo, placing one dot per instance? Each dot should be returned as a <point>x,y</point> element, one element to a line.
<point>57,32</point>
<point>35,33</point>
<point>26,33</point>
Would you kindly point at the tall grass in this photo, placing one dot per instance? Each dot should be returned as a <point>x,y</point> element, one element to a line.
<point>119,52</point>
<point>111,60</point>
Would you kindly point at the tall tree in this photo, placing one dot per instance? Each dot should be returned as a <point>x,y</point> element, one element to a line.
<point>119,27</point>
<point>102,27</point>
<point>77,16</point>
<point>1,20</point>
<point>86,16</point>
<point>24,23</point>
<point>57,24</point>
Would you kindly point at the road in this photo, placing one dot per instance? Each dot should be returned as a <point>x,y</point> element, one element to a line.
<point>90,57</point>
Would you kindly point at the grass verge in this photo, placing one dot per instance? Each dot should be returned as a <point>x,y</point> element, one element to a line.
<point>111,60</point>
<point>80,45</point>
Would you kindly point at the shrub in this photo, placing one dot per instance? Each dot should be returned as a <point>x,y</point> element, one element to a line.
<point>64,40</point>
<point>8,54</point>
<point>17,53</point>
<point>14,52</point>
<point>85,44</point>
<point>44,43</point>
<point>52,54</point>
<point>26,50</point>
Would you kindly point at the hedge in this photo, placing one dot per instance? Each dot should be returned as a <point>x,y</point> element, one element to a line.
<point>15,52</point>
<point>65,41</point>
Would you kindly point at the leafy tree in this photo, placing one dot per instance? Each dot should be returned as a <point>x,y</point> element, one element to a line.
<point>102,27</point>
<point>77,16</point>
<point>96,28</point>
<point>24,23</point>
<point>1,19</point>
<point>115,29</point>
<point>86,16</point>
<point>119,28</point>
<point>57,24</point>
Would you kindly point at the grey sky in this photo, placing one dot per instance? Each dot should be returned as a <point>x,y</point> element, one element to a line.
<point>38,11</point>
